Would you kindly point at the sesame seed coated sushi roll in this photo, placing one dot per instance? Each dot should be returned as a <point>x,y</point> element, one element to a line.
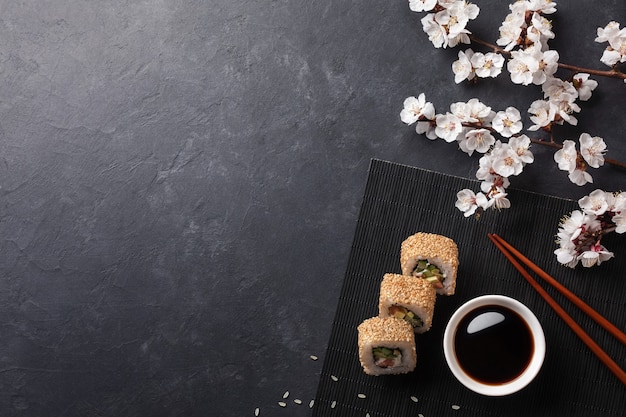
<point>409,298</point>
<point>432,257</point>
<point>386,346</point>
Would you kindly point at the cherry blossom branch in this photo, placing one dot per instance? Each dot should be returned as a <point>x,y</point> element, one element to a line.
<point>613,73</point>
<point>551,144</point>
<point>555,145</point>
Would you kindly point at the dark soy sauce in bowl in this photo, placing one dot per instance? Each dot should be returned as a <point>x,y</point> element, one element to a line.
<point>493,344</point>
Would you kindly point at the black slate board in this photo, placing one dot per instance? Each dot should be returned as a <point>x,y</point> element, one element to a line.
<point>400,201</point>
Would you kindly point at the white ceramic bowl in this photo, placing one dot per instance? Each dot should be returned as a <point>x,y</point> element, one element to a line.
<point>527,375</point>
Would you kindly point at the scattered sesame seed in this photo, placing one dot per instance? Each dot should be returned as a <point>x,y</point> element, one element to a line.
<point>313,357</point>
<point>420,415</point>
<point>334,378</point>
<point>367,414</point>
<point>311,403</point>
<point>361,395</point>
<point>455,407</point>
<point>333,404</point>
<point>286,394</point>
<point>414,398</point>
<point>282,404</point>
<point>256,411</point>
<point>297,401</point>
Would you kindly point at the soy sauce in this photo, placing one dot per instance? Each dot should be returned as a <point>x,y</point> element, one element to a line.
<point>493,344</point>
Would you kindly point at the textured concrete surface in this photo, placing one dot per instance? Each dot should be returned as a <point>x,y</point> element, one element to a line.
<point>180,182</point>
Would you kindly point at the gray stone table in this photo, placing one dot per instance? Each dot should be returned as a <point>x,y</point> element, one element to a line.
<point>180,183</point>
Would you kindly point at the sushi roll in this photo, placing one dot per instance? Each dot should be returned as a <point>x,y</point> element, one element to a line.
<point>386,346</point>
<point>432,257</point>
<point>409,298</point>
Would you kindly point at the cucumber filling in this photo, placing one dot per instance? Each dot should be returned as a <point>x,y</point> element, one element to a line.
<point>429,272</point>
<point>385,357</point>
<point>406,314</point>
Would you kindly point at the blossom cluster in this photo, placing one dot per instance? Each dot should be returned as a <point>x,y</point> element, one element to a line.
<point>471,65</point>
<point>616,37</point>
<point>446,23</point>
<point>472,125</point>
<point>591,154</point>
<point>580,234</point>
<point>522,50</point>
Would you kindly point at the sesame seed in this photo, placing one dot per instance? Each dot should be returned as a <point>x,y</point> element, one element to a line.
<point>333,404</point>
<point>286,394</point>
<point>297,401</point>
<point>313,357</point>
<point>455,407</point>
<point>334,378</point>
<point>414,398</point>
<point>311,403</point>
<point>420,415</point>
<point>282,404</point>
<point>256,411</point>
<point>361,395</point>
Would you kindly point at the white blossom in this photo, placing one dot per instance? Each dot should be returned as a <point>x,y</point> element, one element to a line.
<point>556,89</point>
<point>462,68</point>
<point>608,33</point>
<point>566,254</point>
<point>540,30</point>
<point>548,64</point>
<point>506,162</point>
<point>580,177</point>
<point>479,140</point>
<point>522,67</point>
<point>566,156</point>
<point>511,28</point>
<point>543,6</point>
<point>448,127</point>
<point>462,111</point>
<point>422,5</point>
<point>426,128</point>
<point>616,37</point>
<point>594,256</point>
<point>521,145</point>
<point>500,201</point>
<point>458,14</point>
<point>416,108</point>
<point>485,170</point>
<point>436,33</point>
<point>562,96</point>
<point>595,203</point>
<point>584,85</point>
<point>508,122</point>
<point>487,65</point>
<point>617,202</point>
<point>620,222</point>
<point>577,223</point>
<point>490,180</point>
<point>479,112</point>
<point>468,202</point>
<point>542,113</point>
<point>592,149</point>
<point>610,57</point>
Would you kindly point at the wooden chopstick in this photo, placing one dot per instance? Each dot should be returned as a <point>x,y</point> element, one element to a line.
<point>608,326</point>
<point>591,344</point>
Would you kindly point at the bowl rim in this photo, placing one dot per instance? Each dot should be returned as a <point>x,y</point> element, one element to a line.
<point>536,361</point>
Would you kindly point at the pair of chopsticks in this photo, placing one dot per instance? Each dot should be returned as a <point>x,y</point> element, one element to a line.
<point>511,253</point>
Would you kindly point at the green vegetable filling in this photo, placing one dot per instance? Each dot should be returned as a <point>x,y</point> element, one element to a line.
<point>429,272</point>
<point>406,314</point>
<point>385,357</point>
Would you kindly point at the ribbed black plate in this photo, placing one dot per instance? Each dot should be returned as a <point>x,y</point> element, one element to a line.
<point>400,201</point>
